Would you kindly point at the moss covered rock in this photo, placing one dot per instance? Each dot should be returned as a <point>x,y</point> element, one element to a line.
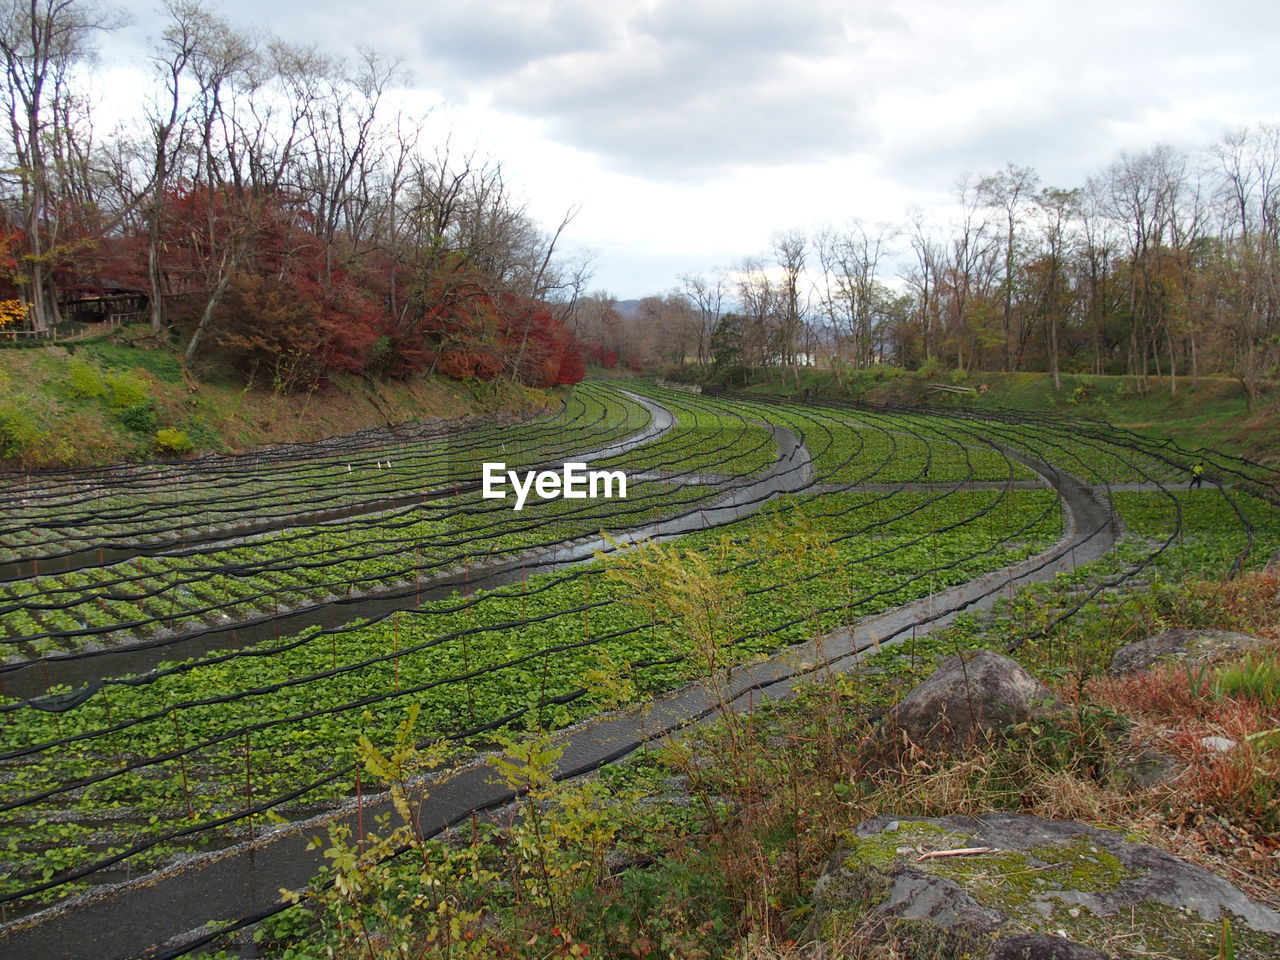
<point>1193,646</point>
<point>1033,887</point>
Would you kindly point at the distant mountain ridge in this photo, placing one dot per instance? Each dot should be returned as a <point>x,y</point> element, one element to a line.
<point>627,309</point>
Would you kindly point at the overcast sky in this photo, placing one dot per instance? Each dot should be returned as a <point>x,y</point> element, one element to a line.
<point>691,130</point>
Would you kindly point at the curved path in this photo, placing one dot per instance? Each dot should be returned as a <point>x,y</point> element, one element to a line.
<point>170,908</point>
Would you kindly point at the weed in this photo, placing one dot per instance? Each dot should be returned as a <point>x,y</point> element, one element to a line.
<point>20,435</point>
<point>84,380</point>
<point>140,418</point>
<point>124,390</point>
<point>1255,677</point>
<point>373,903</point>
<point>171,441</point>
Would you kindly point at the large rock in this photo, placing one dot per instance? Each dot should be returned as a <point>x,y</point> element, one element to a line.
<point>1045,890</point>
<point>1042,946</point>
<point>970,697</point>
<point>1193,646</point>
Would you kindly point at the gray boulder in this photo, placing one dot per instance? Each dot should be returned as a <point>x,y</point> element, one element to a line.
<point>1042,946</point>
<point>1193,646</point>
<point>1033,890</point>
<point>970,697</point>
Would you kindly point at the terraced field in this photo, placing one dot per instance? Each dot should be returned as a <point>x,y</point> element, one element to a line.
<point>190,651</point>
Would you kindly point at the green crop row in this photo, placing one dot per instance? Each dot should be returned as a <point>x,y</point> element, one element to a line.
<point>168,504</point>
<point>307,566</point>
<point>851,446</point>
<point>702,439</point>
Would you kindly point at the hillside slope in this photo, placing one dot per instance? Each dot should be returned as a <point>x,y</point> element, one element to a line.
<point>117,398</point>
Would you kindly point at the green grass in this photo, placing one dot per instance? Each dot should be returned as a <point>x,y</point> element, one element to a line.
<point>1255,678</point>
<point>163,364</point>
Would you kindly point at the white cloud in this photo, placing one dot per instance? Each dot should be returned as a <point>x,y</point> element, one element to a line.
<point>693,129</point>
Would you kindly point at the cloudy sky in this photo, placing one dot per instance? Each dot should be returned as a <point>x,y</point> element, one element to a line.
<point>689,131</point>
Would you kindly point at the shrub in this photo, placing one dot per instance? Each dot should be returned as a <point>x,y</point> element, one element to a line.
<point>1082,393</point>
<point>18,432</point>
<point>169,440</point>
<point>84,380</point>
<point>929,369</point>
<point>881,371</point>
<point>13,313</point>
<point>269,333</point>
<point>140,417</point>
<point>125,390</point>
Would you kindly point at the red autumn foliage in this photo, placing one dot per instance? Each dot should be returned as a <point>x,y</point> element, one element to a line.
<point>594,351</point>
<point>545,353</point>
<point>288,310</point>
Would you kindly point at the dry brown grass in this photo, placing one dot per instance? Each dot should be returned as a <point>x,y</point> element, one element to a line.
<point>1214,813</point>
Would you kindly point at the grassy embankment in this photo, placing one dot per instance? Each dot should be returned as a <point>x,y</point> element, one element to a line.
<point>123,396</point>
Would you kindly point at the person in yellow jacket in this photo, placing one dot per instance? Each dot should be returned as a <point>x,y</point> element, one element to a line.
<point>1197,475</point>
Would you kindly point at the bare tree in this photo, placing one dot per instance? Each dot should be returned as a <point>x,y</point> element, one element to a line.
<point>42,42</point>
<point>707,296</point>
<point>1011,190</point>
<point>850,261</point>
<point>188,29</point>
<point>924,281</point>
<point>968,277</point>
<point>1246,294</point>
<point>1057,210</point>
<point>790,250</point>
<point>760,301</point>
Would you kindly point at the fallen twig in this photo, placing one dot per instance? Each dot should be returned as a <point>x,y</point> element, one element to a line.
<point>962,852</point>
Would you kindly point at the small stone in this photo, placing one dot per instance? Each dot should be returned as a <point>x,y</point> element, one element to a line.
<point>1148,769</point>
<point>1218,744</point>
<point>1042,946</point>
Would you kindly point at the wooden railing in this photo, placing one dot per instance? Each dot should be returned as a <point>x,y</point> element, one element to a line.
<point>81,331</point>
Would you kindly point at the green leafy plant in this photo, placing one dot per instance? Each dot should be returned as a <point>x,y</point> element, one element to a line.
<point>169,440</point>
<point>125,390</point>
<point>375,902</point>
<point>1255,677</point>
<point>139,417</point>
<point>84,380</point>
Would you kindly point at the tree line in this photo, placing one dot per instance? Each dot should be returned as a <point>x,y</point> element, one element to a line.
<point>1165,264</point>
<point>266,206</point>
